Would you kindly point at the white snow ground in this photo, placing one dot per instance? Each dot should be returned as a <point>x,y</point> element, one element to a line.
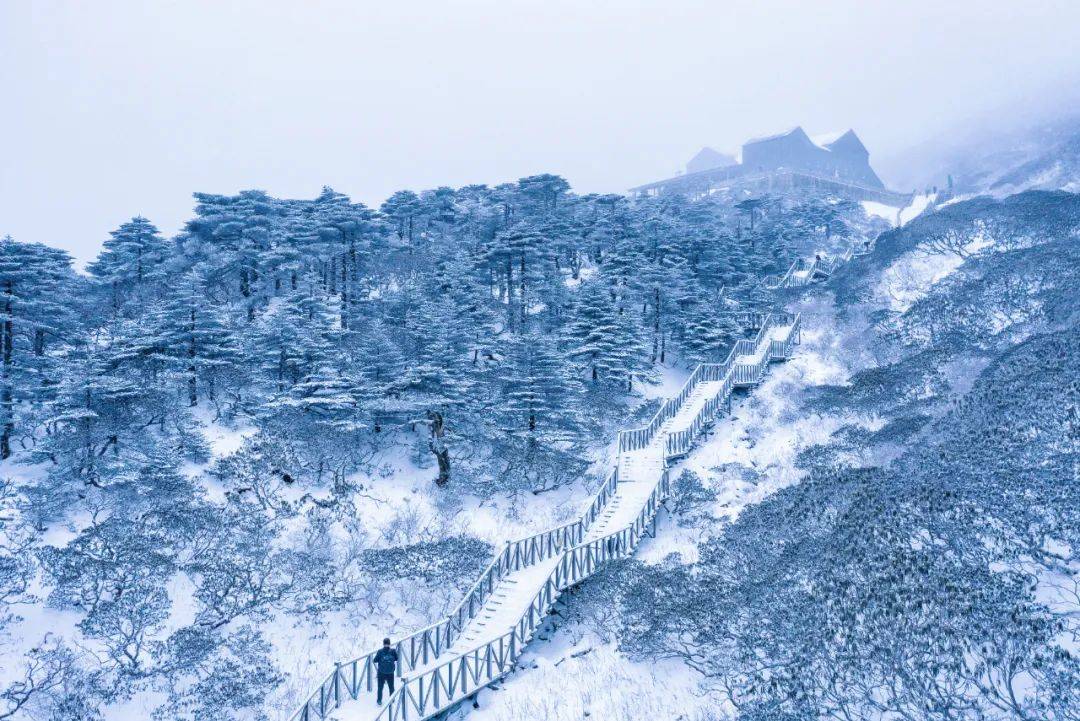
<point>918,204</point>
<point>899,216</point>
<point>880,210</point>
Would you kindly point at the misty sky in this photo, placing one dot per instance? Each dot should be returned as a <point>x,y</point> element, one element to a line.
<point>112,109</point>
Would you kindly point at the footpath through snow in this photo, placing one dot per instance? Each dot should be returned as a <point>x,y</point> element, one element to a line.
<point>481,639</point>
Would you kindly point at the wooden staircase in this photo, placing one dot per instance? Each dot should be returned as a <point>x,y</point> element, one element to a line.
<point>479,641</point>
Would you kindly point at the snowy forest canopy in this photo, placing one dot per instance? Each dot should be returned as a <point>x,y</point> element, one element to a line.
<point>499,336</point>
<point>498,332</point>
<point>522,313</point>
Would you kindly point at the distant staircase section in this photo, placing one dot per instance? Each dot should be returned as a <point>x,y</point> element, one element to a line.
<point>803,272</point>
<point>481,638</point>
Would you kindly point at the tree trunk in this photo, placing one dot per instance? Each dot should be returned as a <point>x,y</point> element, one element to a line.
<point>345,263</point>
<point>509,293</point>
<point>521,294</point>
<point>193,397</point>
<point>6,395</point>
<point>438,447</point>
<point>656,323</point>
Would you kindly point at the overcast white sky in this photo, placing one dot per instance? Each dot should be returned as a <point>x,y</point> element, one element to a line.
<point>111,109</point>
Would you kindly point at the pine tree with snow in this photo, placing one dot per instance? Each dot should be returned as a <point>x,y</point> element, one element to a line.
<point>326,397</point>
<point>708,332</point>
<point>403,208</point>
<point>292,336</point>
<point>604,336</point>
<point>538,390</point>
<point>36,313</point>
<point>113,390</point>
<point>195,337</point>
<point>378,375</point>
<point>544,191</point>
<point>131,260</point>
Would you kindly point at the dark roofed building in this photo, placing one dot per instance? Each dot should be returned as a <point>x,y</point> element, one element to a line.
<point>838,163</point>
<point>843,158</point>
<point>707,159</point>
<point>853,160</point>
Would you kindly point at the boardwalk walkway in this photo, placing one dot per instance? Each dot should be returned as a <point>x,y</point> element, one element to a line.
<point>803,272</point>
<point>480,640</point>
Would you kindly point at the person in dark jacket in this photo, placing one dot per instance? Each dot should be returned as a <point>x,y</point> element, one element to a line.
<point>385,665</point>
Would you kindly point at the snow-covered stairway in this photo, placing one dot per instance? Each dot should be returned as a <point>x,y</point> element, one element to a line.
<point>481,639</point>
<point>803,272</point>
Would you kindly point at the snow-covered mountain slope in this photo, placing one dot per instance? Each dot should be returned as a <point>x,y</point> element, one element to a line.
<point>242,454</point>
<point>906,509</point>
<point>1042,156</point>
<point>246,452</point>
<point>1053,167</point>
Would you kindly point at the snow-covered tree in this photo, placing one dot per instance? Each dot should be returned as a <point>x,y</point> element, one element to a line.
<point>36,314</point>
<point>131,261</point>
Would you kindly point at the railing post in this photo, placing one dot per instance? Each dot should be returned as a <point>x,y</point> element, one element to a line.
<point>337,684</point>
<point>436,686</point>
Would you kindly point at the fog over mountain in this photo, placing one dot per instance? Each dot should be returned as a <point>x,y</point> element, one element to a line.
<point>127,105</point>
<point>980,150</point>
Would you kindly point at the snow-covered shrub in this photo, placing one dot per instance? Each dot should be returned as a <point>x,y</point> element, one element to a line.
<point>690,497</point>
<point>448,562</point>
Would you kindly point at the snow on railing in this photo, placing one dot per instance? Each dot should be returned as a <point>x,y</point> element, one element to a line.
<point>600,499</point>
<point>800,273</point>
<point>782,349</point>
<point>427,644</point>
<point>678,443</point>
<point>829,265</point>
<point>786,279</point>
<point>793,278</point>
<point>751,321</point>
<point>751,373</point>
<point>637,438</point>
<point>446,684</point>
